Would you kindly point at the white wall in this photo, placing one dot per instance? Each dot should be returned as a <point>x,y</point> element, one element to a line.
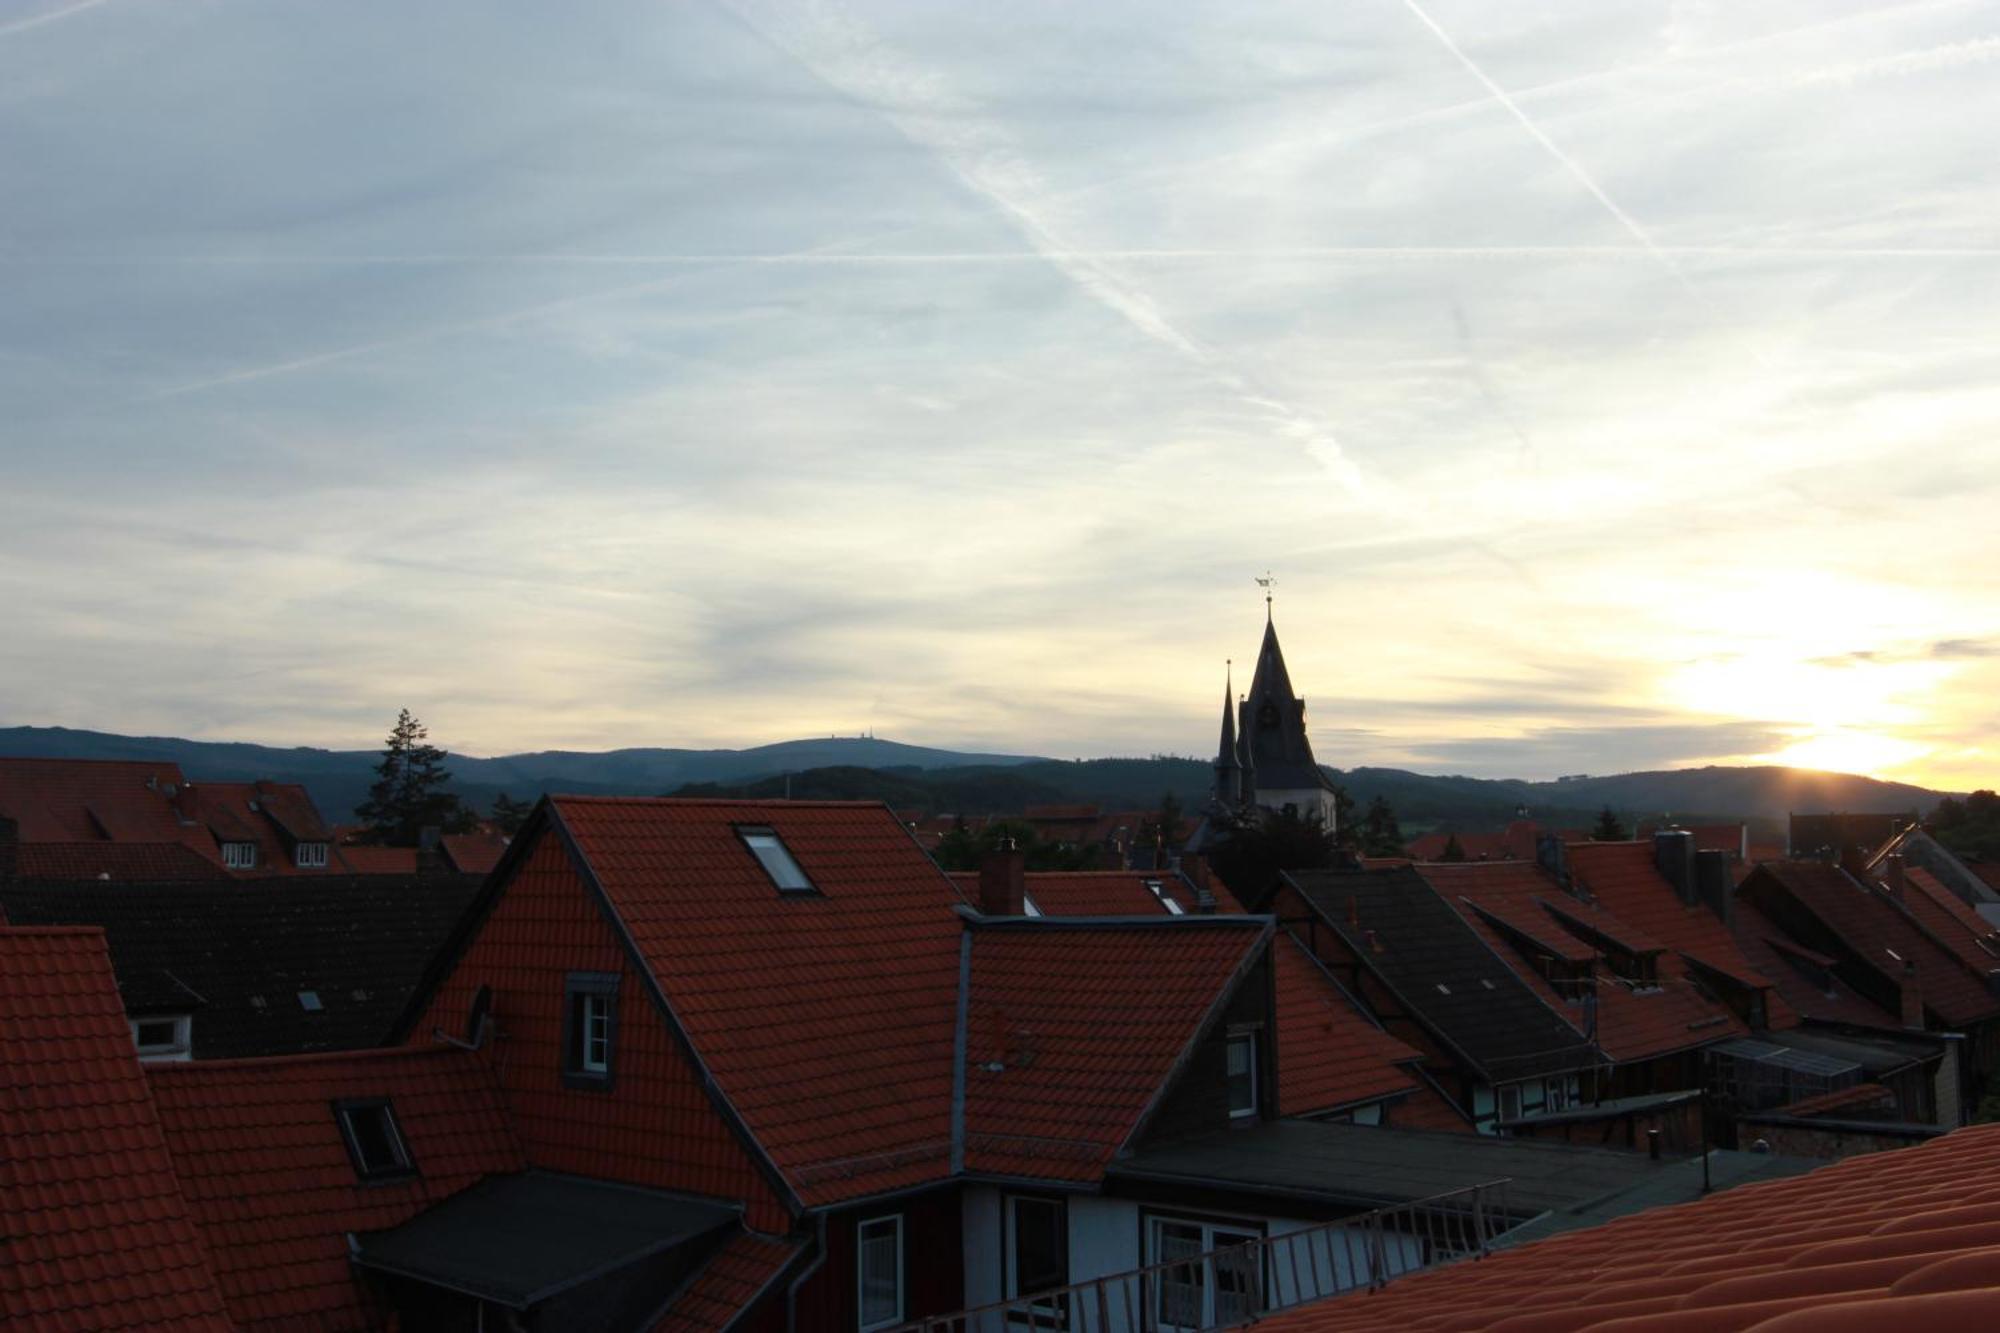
<point>981,1215</point>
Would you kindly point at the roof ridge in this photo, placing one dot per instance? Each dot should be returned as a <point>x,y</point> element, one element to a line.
<point>383,1054</point>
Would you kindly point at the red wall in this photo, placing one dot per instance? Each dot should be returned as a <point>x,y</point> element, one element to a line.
<point>933,1262</point>
<point>655,1126</point>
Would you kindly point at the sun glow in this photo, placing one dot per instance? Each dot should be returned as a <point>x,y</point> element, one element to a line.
<point>1844,750</point>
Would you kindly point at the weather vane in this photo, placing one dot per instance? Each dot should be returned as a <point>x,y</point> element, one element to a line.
<point>1267,583</point>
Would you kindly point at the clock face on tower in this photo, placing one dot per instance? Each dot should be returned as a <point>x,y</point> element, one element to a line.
<point>1267,714</point>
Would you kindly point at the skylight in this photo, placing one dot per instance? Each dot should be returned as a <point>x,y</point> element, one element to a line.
<point>777,861</point>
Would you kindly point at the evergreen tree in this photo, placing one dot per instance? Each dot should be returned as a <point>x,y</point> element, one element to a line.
<point>412,789</point>
<point>1609,827</point>
<point>1380,834</point>
<point>1452,851</point>
<point>1258,846</point>
<point>1343,817</point>
<point>509,814</point>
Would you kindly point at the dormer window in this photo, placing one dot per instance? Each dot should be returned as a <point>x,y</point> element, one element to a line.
<point>167,1037</point>
<point>239,855</point>
<point>772,854</point>
<point>374,1141</point>
<point>310,856</point>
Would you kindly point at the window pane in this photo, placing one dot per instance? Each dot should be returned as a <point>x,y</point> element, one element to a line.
<point>1041,1250</point>
<point>777,862</point>
<point>1243,1076</point>
<point>1178,1289</point>
<point>881,1276</point>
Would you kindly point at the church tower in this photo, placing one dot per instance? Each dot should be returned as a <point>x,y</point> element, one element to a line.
<point>1274,755</point>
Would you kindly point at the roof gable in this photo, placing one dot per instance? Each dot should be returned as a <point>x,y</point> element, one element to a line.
<point>95,1231</point>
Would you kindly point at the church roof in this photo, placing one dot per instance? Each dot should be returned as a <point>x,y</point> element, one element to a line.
<point>1274,725</point>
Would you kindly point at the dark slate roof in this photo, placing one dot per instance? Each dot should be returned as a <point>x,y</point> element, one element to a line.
<point>237,954</point>
<point>520,1240</point>
<point>1274,742</point>
<point>1366,1166</point>
<point>1448,977</point>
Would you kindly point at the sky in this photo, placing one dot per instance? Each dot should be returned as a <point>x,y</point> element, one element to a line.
<point>1606,386</point>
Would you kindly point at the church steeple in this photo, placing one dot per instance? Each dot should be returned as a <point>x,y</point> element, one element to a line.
<point>1228,766</point>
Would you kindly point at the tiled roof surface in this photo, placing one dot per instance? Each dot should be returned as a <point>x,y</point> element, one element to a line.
<point>1730,838</point>
<point>1072,1031</point>
<point>1840,1099</point>
<point>826,1018</point>
<point>1632,1024</point>
<point>95,1232</point>
<point>473,853</point>
<point>1102,892</point>
<point>273,815</point>
<point>236,954</point>
<point>1872,925</point>
<point>1896,1240</point>
<point>736,1275</point>
<point>1770,950</point>
<point>1444,971</point>
<point>1329,1053</point>
<point>148,862</point>
<point>1948,917</point>
<point>1622,876</point>
<point>269,1178</point>
<point>360,858</point>
<point>80,800</point>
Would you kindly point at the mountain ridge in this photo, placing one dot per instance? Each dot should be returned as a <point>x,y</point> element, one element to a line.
<point>338,779</point>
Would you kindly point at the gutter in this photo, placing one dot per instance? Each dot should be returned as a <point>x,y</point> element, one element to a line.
<point>805,1274</point>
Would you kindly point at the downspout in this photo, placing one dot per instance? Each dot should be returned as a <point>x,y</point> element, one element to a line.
<point>792,1291</point>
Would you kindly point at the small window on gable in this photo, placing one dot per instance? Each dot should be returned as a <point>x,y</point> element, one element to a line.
<point>1243,1076</point>
<point>311,856</point>
<point>163,1038</point>
<point>590,1028</point>
<point>374,1141</point>
<point>239,855</point>
<point>777,861</point>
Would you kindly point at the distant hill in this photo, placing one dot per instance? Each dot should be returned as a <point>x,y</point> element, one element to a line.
<point>951,781</point>
<point>338,779</point>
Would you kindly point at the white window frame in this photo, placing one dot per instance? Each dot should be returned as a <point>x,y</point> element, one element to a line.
<point>1237,1233</point>
<point>770,852</point>
<point>310,856</point>
<point>239,855</point>
<point>1236,1112</point>
<point>861,1229</point>
<point>180,1048</point>
<point>595,1057</point>
<point>1009,1218</point>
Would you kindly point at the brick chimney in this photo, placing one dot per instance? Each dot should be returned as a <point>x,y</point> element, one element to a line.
<point>1673,854</point>
<point>1913,996</point>
<point>1893,878</point>
<point>1003,881</point>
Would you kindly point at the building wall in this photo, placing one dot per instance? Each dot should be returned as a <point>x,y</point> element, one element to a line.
<point>934,1262</point>
<point>654,1125</point>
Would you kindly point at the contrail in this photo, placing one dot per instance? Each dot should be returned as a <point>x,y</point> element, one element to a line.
<point>54,15</point>
<point>1575,168</point>
<point>842,53</point>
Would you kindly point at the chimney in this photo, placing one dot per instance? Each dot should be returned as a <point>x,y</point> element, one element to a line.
<point>1003,881</point>
<point>10,843</point>
<point>1552,856</point>
<point>1194,869</point>
<point>1892,876</point>
<point>1713,883</point>
<point>1673,854</point>
<point>1913,996</point>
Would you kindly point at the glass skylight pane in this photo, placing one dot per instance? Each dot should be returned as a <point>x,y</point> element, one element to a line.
<point>777,862</point>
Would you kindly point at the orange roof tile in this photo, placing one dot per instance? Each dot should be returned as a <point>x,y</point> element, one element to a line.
<point>826,1018</point>
<point>1951,919</point>
<point>1072,1031</point>
<point>269,1178</point>
<point>95,1232</point>
<point>473,853</point>
<point>1877,1242</point>
<point>363,859</point>
<point>140,862</point>
<point>1329,1054</point>
<point>733,1279</point>
<point>1786,963</point>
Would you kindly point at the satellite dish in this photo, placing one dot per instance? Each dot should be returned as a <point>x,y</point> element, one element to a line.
<point>475,1019</point>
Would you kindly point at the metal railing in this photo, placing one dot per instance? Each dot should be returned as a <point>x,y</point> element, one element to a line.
<point>1238,1283</point>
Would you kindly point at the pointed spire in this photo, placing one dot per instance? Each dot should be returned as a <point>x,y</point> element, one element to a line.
<point>1228,782</point>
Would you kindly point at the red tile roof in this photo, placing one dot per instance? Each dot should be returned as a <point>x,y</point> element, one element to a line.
<point>1072,1032</point>
<point>79,800</point>
<point>826,1019</point>
<point>1329,1054</point>
<point>1731,838</point>
<point>1771,951</point>
<point>1623,877</point>
<point>739,1273</point>
<point>363,859</point>
<point>1951,919</point>
<point>1898,1240</point>
<point>1873,925</point>
<point>95,1232</point>
<point>140,862</point>
<point>1841,1099</point>
<point>1632,1023</point>
<point>269,1179</point>
<point>473,853</point>
<point>1102,892</point>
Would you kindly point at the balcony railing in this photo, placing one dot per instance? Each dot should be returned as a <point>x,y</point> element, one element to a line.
<point>1238,1283</point>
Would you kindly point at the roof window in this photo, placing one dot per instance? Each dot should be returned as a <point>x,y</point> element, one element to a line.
<point>1159,891</point>
<point>772,854</point>
<point>166,1037</point>
<point>374,1141</point>
<point>309,1001</point>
